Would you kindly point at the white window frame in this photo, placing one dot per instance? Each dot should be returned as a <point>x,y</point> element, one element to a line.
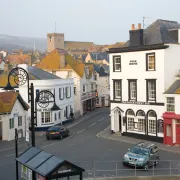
<point>118,58</point>
<point>132,90</point>
<point>118,87</point>
<point>170,104</point>
<point>149,61</point>
<point>130,123</point>
<point>141,124</point>
<point>152,121</point>
<point>151,92</point>
<point>44,118</point>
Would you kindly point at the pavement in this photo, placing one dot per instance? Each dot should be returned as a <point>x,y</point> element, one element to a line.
<point>106,133</point>
<point>100,157</point>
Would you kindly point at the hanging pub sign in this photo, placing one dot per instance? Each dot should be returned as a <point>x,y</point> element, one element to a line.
<point>160,123</point>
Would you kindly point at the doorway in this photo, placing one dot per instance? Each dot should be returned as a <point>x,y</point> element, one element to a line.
<point>117,121</point>
<point>0,130</point>
<point>120,123</point>
<point>177,133</point>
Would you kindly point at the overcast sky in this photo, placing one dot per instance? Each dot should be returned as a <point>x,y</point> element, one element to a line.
<point>100,21</point>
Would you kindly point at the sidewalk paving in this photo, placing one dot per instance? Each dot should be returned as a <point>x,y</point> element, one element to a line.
<point>40,135</point>
<point>106,134</point>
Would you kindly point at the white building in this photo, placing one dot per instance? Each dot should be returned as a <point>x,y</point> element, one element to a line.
<point>62,64</point>
<point>13,114</point>
<point>63,90</point>
<point>140,72</point>
<point>102,83</point>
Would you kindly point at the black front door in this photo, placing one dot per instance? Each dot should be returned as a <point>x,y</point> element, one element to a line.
<point>120,125</point>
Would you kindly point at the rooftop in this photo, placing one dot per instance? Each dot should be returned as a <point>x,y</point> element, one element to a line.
<point>8,99</point>
<point>159,32</point>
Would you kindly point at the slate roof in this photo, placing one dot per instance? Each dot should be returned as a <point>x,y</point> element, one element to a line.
<point>8,99</point>
<point>78,45</point>
<point>174,88</point>
<point>46,164</point>
<point>158,32</point>
<point>37,73</point>
<point>100,56</point>
<point>101,70</point>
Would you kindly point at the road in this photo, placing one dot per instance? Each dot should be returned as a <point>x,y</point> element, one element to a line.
<point>83,147</point>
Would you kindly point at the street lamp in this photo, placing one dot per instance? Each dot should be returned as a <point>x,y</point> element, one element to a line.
<point>43,98</point>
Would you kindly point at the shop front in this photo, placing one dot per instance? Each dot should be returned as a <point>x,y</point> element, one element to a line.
<point>88,102</point>
<point>171,128</point>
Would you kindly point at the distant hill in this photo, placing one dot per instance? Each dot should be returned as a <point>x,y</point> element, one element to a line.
<point>11,43</point>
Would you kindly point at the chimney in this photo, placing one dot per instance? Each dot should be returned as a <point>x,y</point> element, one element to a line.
<point>133,27</point>
<point>136,36</point>
<point>62,60</point>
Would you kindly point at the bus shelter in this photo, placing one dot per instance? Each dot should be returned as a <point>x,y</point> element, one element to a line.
<point>47,166</point>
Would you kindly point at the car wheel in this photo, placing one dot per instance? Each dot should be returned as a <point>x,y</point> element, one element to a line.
<point>61,137</point>
<point>146,167</point>
<point>47,138</point>
<point>156,162</point>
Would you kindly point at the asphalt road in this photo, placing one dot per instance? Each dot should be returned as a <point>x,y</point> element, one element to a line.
<point>85,149</point>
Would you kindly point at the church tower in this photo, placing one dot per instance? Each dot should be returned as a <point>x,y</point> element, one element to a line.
<point>55,40</point>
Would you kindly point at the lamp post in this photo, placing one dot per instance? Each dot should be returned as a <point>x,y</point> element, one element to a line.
<point>43,98</point>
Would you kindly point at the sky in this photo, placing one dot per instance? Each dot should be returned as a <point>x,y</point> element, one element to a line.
<point>98,21</point>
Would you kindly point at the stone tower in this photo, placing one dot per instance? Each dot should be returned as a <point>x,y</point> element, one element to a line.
<point>55,40</point>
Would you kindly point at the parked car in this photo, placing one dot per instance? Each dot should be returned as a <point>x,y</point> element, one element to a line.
<point>57,132</point>
<point>142,155</point>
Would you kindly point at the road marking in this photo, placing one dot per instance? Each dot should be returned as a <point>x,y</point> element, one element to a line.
<point>68,138</point>
<point>92,124</point>
<point>12,154</point>
<point>101,119</point>
<point>80,131</point>
<point>48,145</point>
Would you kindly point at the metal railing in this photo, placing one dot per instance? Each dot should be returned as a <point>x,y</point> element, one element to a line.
<point>102,169</point>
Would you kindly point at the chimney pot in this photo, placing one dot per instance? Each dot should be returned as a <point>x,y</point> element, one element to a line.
<point>133,27</point>
<point>139,25</point>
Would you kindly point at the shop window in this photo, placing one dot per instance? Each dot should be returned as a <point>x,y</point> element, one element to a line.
<point>170,104</point>
<point>46,117</point>
<point>152,126</point>
<point>141,125</point>
<point>168,130</point>
<point>130,123</point>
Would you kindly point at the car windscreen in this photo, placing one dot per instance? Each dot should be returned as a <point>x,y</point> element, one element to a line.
<point>53,129</point>
<point>137,150</point>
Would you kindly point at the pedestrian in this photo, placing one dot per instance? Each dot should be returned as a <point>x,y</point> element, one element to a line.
<point>72,115</point>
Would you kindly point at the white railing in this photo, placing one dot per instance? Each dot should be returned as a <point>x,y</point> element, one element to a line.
<point>102,169</point>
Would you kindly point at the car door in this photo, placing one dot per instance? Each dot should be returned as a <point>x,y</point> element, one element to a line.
<point>151,156</point>
<point>62,131</point>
